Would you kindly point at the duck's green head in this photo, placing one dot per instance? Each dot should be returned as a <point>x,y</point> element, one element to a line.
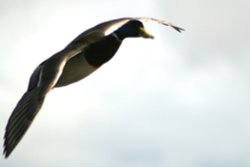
<point>133,28</point>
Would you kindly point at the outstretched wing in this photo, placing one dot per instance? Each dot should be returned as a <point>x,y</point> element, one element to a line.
<point>100,30</point>
<point>21,118</point>
<point>159,21</point>
<point>42,81</point>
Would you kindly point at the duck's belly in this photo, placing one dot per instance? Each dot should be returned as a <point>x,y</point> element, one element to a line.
<point>75,69</point>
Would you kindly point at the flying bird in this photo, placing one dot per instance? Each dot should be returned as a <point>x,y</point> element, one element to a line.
<point>85,54</point>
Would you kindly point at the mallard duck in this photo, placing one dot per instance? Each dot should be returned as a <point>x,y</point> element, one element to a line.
<point>85,54</point>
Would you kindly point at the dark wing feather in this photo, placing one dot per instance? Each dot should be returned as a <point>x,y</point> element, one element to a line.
<point>21,118</point>
<point>43,79</point>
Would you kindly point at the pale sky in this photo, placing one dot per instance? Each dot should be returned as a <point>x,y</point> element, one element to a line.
<point>180,100</point>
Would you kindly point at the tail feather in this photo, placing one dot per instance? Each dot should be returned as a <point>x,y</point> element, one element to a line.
<point>21,119</point>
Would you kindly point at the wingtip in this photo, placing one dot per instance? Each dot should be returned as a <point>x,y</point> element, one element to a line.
<point>6,151</point>
<point>5,155</point>
<point>179,29</point>
<point>159,21</point>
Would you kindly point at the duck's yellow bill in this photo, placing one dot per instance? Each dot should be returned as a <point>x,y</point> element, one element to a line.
<point>145,34</point>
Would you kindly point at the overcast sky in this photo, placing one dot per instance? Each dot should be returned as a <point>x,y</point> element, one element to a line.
<point>180,100</point>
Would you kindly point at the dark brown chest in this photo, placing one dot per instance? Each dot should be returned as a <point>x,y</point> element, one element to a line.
<point>101,51</point>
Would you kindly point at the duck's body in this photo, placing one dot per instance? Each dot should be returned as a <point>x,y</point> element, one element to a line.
<point>89,60</point>
<point>81,57</point>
